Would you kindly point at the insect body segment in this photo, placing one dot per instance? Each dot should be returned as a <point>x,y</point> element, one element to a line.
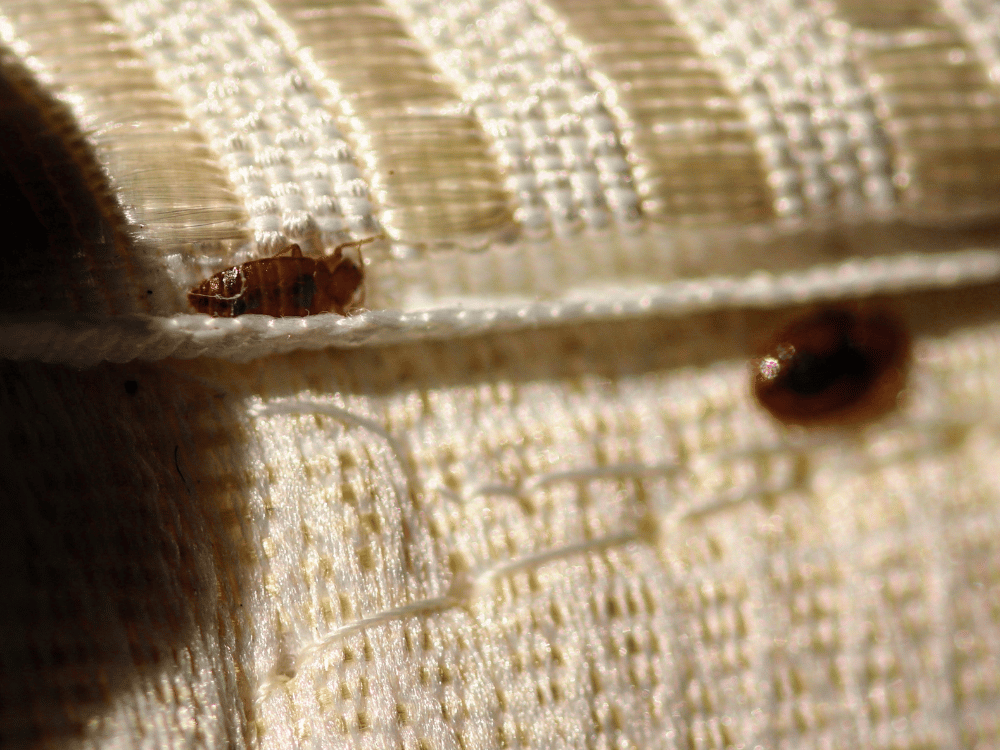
<point>283,286</point>
<point>836,365</point>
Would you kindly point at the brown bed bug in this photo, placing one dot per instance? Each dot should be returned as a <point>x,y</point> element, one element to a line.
<point>284,285</point>
<point>834,365</point>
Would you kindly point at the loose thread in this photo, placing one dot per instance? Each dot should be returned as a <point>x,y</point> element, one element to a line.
<point>461,592</point>
<point>344,416</point>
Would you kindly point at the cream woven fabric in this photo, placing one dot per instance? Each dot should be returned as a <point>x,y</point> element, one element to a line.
<point>524,498</point>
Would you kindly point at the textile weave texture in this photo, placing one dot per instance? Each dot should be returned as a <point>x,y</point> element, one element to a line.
<point>524,497</point>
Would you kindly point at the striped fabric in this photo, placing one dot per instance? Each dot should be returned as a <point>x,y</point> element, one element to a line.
<point>524,497</point>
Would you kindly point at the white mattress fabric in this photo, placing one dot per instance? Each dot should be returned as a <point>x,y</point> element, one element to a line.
<point>524,496</point>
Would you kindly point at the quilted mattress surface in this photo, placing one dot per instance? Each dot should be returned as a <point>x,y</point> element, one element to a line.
<point>523,495</point>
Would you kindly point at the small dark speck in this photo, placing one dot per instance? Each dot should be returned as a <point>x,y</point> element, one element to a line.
<point>149,291</point>
<point>177,465</point>
<point>131,387</point>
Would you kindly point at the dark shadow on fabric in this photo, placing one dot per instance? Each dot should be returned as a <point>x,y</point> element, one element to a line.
<point>53,222</point>
<point>113,555</point>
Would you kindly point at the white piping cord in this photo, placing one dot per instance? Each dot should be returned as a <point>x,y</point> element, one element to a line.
<point>85,342</point>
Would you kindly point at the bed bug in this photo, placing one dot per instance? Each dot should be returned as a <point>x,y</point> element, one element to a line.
<point>834,365</point>
<point>283,285</point>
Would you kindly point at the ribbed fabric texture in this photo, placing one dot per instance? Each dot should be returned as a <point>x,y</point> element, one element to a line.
<point>525,498</point>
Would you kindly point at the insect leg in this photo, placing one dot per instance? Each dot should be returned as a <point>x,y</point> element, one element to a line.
<point>294,249</point>
<point>356,243</point>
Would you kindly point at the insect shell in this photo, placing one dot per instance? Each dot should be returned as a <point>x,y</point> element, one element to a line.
<point>284,286</point>
<point>834,365</point>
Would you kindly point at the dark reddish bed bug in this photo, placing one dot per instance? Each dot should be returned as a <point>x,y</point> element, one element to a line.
<point>283,285</point>
<point>834,365</point>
